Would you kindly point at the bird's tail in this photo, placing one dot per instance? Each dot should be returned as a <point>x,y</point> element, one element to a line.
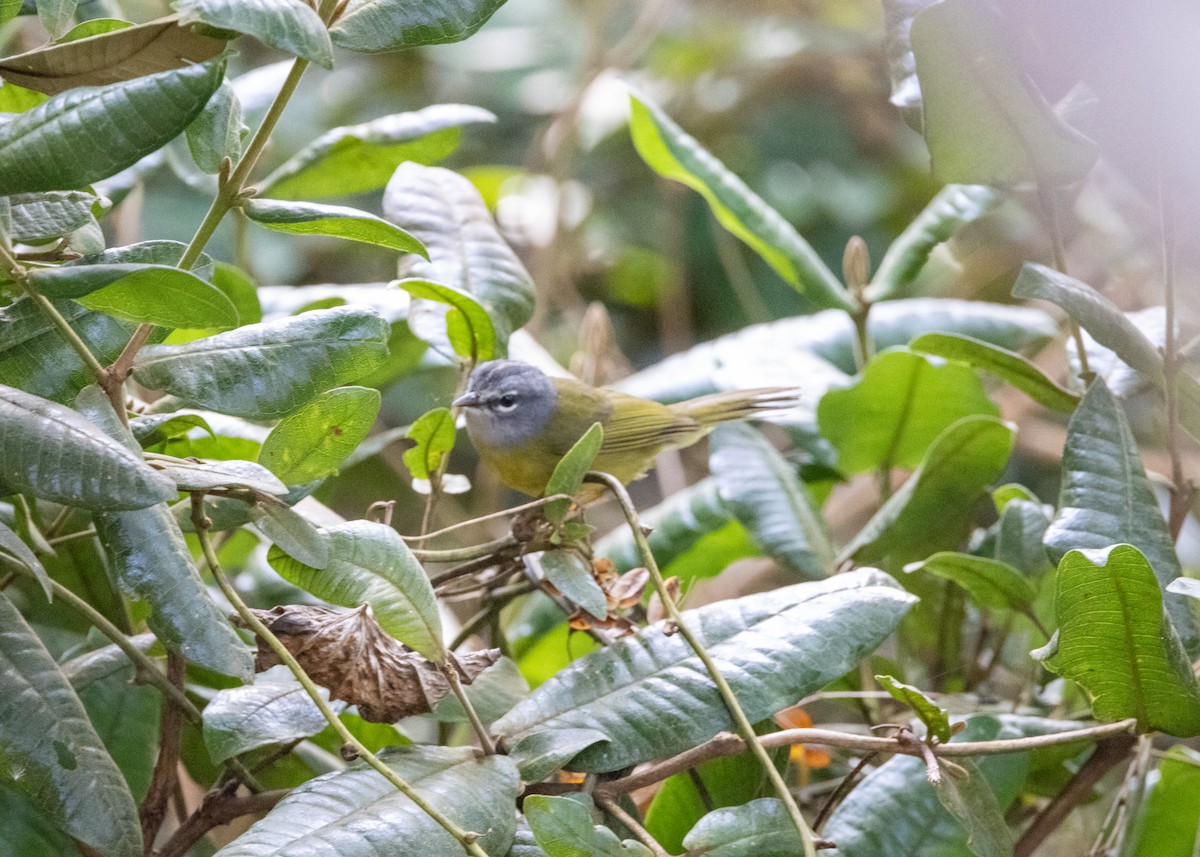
<point>737,404</point>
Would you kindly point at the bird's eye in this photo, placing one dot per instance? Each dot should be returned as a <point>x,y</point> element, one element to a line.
<point>507,402</point>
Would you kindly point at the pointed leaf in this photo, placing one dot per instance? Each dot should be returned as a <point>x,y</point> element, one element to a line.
<point>989,582</point>
<point>760,828</point>
<point>357,813</point>
<point>289,25</point>
<point>265,371</point>
<point>51,753</point>
<point>651,696</point>
<point>337,221</point>
<point>572,576</point>
<point>467,325</point>
<point>935,718</point>
<point>311,443</point>
<point>767,497</point>
<point>292,532</point>
<point>370,564</point>
<point>68,142</point>
<point>568,474</point>
<point>217,133</point>
<point>245,718</point>
<point>41,217</point>
<point>11,544</point>
<point>971,800</point>
<point>433,433</point>
<point>376,26</point>
<point>563,827</point>
<point>673,154</point>
<point>227,473</point>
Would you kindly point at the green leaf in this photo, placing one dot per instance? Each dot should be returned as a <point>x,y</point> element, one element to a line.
<point>540,754</point>
<point>154,429</point>
<point>95,27</point>
<point>434,435</point>
<point>493,693</point>
<point>311,443</point>
<point>767,497</point>
<point>239,288</point>
<point>563,827</point>
<point>67,142</point>
<point>466,326</point>
<point>41,217</point>
<point>673,154</point>
<point>902,403</point>
<point>245,718</point>
<point>971,800</point>
<point>651,696</point>
<point>357,813</point>
<point>265,371</point>
<point>1170,815</point>
<point>953,208</point>
<point>1115,640</point>
<point>935,718</point>
<point>377,26</point>
<point>760,828</point>
<point>1106,499</point>
<point>11,544</point>
<point>53,453</point>
<point>217,133</point>
<point>989,582</point>
<point>226,473</point>
<point>51,753</point>
<point>466,252</point>
<point>289,25</point>
<point>1004,364</point>
<point>572,576</point>
<point>1023,526</point>
<point>370,564</point>
<point>361,158</point>
<point>56,16</point>
<point>108,55</point>
<point>1095,313</point>
<point>984,122</point>
<point>337,221</point>
<point>291,532</point>
<point>568,474</point>
<point>933,509</point>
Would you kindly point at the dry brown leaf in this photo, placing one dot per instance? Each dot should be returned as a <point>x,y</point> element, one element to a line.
<point>655,611</point>
<point>626,590</point>
<point>359,663</point>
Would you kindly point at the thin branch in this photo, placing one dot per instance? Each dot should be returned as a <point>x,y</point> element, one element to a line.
<point>503,513</point>
<point>468,553</point>
<point>166,767</point>
<point>1050,215</point>
<point>635,827</point>
<point>450,671</point>
<point>218,808</point>
<point>842,789</point>
<point>1182,492</point>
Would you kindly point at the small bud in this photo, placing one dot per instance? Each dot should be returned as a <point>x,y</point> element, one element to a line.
<point>856,264</point>
<point>348,752</point>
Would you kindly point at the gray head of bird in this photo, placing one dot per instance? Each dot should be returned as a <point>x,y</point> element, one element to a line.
<point>507,402</point>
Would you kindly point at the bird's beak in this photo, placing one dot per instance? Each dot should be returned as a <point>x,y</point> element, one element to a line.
<point>467,400</point>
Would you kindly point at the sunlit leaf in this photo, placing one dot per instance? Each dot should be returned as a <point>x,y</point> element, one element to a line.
<point>935,718</point>
<point>335,221</point>
<point>290,25</point>
<point>376,26</point>
<point>311,443</point>
<point>434,435</point>
<point>467,325</point>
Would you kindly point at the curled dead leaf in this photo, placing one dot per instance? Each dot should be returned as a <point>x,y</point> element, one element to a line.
<point>359,663</point>
<point>626,590</point>
<point>655,611</point>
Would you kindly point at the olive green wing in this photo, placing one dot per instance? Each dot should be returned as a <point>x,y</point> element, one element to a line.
<point>640,425</point>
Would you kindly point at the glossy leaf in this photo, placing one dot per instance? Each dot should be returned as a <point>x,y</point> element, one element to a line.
<point>973,803</point>
<point>673,154</point>
<point>12,545</point>
<point>53,453</point>
<point>290,25</point>
<point>245,718</point>
<point>1106,499</point>
<point>357,813</point>
<point>1115,640</point>
<point>760,828</point>
<point>932,510</point>
<point>377,26</point>
<point>650,695</point>
<point>433,433</point>
<point>466,252</point>
<point>1171,813</point>
<point>572,576</point>
<point>46,737</point>
<point>1023,525</point>
<point>67,142</point>
<point>568,474</point>
<point>311,443</point>
<point>984,122</point>
<point>153,429</point>
<point>40,217</point>
<point>1006,365</point>
<point>360,158</point>
<point>291,532</point>
<point>267,370</point>
<point>335,221</point>
<point>902,403</point>
<point>563,827</point>
<point>467,325</point>
<point>989,582</point>
<point>226,473</point>
<point>764,493</point>
<point>217,133</point>
<point>935,718</point>
<point>370,564</point>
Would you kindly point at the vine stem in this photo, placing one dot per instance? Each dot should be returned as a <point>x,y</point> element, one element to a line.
<point>450,671</point>
<point>744,727</point>
<point>202,524</point>
<point>468,553</point>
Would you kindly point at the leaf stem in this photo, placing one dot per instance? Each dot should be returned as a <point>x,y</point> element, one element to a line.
<point>1182,492</point>
<point>1050,215</point>
<point>468,553</point>
<point>503,513</point>
<point>635,827</point>
<point>202,525</point>
<point>450,671</point>
<point>744,727</point>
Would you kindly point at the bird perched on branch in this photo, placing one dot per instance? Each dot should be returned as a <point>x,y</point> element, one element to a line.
<point>522,422</point>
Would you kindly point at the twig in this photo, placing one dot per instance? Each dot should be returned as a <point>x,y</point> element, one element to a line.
<point>218,808</point>
<point>842,789</point>
<point>744,726</point>
<point>467,839</point>
<point>503,513</point>
<point>450,671</point>
<point>468,553</point>
<point>435,478</point>
<point>635,827</point>
<point>1050,215</point>
<point>166,767</point>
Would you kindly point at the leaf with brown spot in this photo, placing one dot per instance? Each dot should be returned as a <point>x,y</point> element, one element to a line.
<point>359,663</point>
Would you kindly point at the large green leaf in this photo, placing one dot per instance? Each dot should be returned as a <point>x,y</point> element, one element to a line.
<point>984,122</point>
<point>336,221</point>
<point>563,827</point>
<point>1106,499</point>
<point>370,564</point>
<point>989,582</point>
<point>361,158</point>
<point>68,141</point>
<point>290,25</point>
<point>51,753</point>
<point>570,471</point>
<point>466,251</point>
<point>571,575</point>
<point>1115,640</point>
<point>933,509</point>
<point>53,453</point>
<point>267,370</point>
<point>760,828</point>
<point>357,813</point>
<point>1168,824</point>
<point>767,497</point>
<point>311,443</point>
<point>467,325</point>
<point>902,402</point>
<point>672,153</point>
<point>651,697</point>
<point>244,718</point>
<point>376,26</point>
<point>40,217</point>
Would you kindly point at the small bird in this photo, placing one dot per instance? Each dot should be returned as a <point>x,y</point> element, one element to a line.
<point>522,422</point>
